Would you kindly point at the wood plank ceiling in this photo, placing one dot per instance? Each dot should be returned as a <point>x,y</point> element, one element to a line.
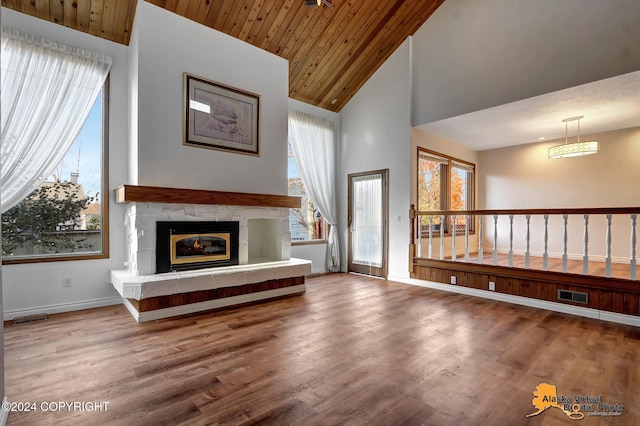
<point>332,51</point>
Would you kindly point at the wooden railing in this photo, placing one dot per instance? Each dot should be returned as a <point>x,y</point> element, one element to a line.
<point>427,226</point>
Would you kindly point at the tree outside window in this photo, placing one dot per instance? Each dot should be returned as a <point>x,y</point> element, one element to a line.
<point>64,215</point>
<point>305,223</point>
<point>444,183</point>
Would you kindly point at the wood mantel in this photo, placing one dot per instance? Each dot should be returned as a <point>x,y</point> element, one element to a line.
<point>157,194</point>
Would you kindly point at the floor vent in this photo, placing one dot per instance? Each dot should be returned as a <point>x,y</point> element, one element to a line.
<point>30,319</point>
<point>573,296</point>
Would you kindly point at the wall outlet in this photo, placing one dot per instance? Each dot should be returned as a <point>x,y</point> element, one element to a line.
<point>66,282</point>
<point>492,285</point>
<point>453,279</point>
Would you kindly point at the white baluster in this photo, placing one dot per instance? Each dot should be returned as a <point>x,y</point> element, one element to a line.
<point>480,254</point>
<point>545,256</point>
<point>441,237</point>
<point>585,257</point>
<point>632,262</point>
<point>495,239</point>
<point>607,268</point>
<point>510,241</point>
<point>527,255</point>
<point>430,236</point>
<point>466,238</point>
<point>565,219</point>
<point>453,239</point>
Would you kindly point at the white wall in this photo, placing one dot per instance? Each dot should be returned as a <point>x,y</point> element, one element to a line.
<point>133,57</point>
<point>524,177</point>
<point>37,288</point>
<point>476,54</point>
<point>376,134</point>
<point>170,45</point>
<point>316,253</point>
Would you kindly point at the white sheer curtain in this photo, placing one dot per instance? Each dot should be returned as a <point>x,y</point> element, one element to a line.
<point>367,220</point>
<point>48,89</point>
<point>312,140</point>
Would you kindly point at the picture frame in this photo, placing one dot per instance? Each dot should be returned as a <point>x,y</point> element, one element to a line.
<point>220,117</point>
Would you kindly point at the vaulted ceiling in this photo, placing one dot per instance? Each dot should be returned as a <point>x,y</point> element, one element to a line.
<point>332,51</point>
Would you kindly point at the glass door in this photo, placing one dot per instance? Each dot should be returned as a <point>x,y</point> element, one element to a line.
<point>368,221</point>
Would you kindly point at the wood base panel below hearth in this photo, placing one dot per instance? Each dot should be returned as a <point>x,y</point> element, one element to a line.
<point>196,301</point>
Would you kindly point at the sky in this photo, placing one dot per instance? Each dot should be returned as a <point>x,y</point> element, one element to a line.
<point>292,167</point>
<point>84,156</point>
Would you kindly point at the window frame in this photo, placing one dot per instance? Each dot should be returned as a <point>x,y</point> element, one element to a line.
<point>448,162</point>
<point>104,203</point>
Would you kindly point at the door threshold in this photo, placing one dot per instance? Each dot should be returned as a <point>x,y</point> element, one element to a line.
<point>366,275</point>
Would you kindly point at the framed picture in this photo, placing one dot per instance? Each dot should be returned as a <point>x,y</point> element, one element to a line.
<point>220,117</point>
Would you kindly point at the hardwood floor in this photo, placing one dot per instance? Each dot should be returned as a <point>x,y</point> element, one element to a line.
<point>596,267</point>
<point>351,350</point>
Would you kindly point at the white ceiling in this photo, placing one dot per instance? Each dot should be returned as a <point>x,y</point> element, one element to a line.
<point>609,104</point>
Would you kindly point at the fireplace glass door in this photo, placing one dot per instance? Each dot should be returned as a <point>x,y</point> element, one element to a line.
<point>191,248</point>
<point>182,246</point>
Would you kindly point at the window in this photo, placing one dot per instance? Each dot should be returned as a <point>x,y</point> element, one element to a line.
<point>305,223</point>
<point>444,183</point>
<point>66,218</point>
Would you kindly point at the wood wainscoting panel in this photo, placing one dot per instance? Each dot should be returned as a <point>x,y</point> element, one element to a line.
<point>180,299</point>
<point>631,304</point>
<point>618,296</point>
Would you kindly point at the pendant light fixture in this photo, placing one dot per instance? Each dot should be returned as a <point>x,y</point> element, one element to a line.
<point>573,149</point>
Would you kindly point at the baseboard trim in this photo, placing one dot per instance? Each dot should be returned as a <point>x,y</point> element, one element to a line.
<point>4,414</point>
<point>212,304</point>
<point>63,307</point>
<point>525,301</point>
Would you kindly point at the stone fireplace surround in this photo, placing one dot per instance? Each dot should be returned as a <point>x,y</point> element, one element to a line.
<point>265,270</point>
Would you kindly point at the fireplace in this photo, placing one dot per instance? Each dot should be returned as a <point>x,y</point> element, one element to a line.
<point>182,246</point>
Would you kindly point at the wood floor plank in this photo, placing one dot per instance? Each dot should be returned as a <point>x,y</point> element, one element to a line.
<point>351,350</point>
<point>596,266</point>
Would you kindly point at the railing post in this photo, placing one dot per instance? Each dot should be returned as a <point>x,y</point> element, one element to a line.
<point>527,254</point>
<point>585,257</point>
<point>453,238</point>
<point>545,256</point>
<point>565,219</point>
<point>413,214</point>
<point>466,238</point>
<point>412,221</point>
<point>430,236</point>
<point>441,237</point>
<point>480,254</point>
<point>607,268</point>
<point>510,241</point>
<point>632,262</point>
<point>495,239</point>
<point>419,238</point>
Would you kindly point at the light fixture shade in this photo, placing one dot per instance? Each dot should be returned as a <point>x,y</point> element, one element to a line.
<point>574,149</point>
<point>312,3</point>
